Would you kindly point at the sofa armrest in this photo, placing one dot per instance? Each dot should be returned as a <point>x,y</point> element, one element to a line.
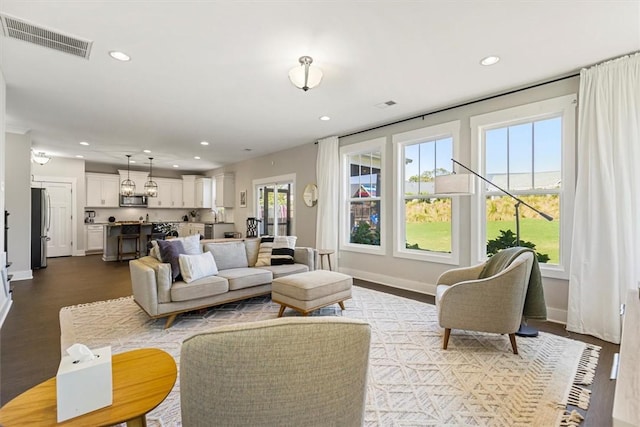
<point>306,256</point>
<point>151,279</point>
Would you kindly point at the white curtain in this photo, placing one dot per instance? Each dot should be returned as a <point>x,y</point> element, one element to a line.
<point>328,177</point>
<point>606,229</point>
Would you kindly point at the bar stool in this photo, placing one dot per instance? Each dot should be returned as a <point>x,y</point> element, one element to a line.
<point>129,233</point>
<point>327,253</point>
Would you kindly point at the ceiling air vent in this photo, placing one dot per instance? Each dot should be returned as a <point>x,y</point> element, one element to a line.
<point>22,30</point>
<point>386,104</point>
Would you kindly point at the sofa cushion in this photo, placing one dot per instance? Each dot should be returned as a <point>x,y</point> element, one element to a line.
<point>170,252</point>
<point>240,278</point>
<point>286,269</point>
<point>201,288</point>
<point>193,267</point>
<point>228,254</point>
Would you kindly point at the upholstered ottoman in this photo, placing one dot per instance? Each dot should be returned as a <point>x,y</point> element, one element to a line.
<point>306,292</point>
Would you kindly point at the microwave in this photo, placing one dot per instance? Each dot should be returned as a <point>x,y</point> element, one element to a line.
<point>137,200</point>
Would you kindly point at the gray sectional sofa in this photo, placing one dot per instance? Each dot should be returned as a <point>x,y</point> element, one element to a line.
<point>237,278</point>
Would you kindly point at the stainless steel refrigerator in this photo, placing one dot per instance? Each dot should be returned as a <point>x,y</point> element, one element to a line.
<point>40,224</point>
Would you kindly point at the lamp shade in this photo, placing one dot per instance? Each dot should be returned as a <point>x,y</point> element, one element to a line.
<point>40,157</point>
<point>455,184</point>
<point>303,76</point>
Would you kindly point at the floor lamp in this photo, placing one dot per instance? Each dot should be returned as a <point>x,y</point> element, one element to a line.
<point>456,184</point>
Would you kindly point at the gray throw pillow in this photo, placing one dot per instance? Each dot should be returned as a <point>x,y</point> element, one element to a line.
<point>170,252</point>
<point>228,255</point>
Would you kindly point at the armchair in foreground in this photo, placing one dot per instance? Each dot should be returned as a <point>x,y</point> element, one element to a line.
<point>297,371</point>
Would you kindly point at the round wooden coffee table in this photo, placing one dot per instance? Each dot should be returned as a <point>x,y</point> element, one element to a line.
<point>142,379</point>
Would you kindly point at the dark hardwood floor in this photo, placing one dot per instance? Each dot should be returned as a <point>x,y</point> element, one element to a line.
<point>30,337</point>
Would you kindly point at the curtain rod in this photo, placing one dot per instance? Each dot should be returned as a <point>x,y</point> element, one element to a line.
<point>463,104</point>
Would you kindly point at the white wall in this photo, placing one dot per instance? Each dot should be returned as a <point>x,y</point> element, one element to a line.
<point>5,300</point>
<point>300,161</point>
<point>18,203</point>
<point>421,276</point>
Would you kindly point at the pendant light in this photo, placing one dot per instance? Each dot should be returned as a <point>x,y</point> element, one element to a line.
<point>150,187</point>
<point>128,187</point>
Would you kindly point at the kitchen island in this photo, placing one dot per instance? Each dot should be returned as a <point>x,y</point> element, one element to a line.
<point>113,230</point>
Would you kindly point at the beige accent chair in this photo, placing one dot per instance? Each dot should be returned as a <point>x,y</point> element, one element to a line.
<point>493,304</point>
<point>294,371</point>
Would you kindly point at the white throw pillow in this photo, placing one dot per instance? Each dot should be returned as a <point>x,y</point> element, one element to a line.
<point>194,267</point>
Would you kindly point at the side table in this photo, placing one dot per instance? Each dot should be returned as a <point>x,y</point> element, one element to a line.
<point>142,379</point>
<point>327,253</point>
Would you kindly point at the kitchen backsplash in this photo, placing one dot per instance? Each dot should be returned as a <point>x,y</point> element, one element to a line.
<point>158,215</point>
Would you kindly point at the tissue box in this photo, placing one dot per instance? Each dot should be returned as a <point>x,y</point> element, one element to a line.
<point>84,386</point>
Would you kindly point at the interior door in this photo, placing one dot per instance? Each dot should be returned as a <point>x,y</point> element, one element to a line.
<point>60,219</point>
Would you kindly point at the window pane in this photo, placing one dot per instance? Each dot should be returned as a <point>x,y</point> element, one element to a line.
<point>521,156</point>
<point>411,169</point>
<point>547,153</point>
<point>496,158</point>
<point>444,154</point>
<point>428,224</point>
<point>364,223</point>
<point>501,224</point>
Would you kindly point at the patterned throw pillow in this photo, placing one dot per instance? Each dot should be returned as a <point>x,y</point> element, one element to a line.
<point>264,253</point>
<point>283,250</point>
<point>170,251</point>
<point>193,267</point>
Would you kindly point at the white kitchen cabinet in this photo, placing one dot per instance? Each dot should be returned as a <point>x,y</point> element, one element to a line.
<point>169,194</point>
<point>225,191</point>
<point>103,190</point>
<point>189,191</point>
<point>203,192</point>
<point>94,238</point>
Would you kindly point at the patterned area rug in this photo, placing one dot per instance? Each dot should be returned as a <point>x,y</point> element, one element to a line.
<point>478,381</point>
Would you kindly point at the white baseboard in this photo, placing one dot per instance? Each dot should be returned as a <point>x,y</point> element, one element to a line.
<point>553,314</point>
<point>394,282</point>
<point>4,310</point>
<point>78,253</point>
<point>21,275</point>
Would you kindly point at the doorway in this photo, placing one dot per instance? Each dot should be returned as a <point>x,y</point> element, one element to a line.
<point>61,217</point>
<point>275,205</point>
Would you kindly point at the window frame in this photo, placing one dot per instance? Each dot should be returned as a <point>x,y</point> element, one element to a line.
<point>364,147</point>
<point>400,141</point>
<point>563,106</point>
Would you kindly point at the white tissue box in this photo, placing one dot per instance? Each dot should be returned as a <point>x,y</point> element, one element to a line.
<point>84,386</point>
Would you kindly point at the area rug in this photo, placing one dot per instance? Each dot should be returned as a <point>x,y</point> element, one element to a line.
<point>478,381</point>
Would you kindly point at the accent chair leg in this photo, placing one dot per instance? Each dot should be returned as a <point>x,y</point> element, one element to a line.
<point>514,346</point>
<point>170,320</point>
<point>445,339</point>
<point>281,312</point>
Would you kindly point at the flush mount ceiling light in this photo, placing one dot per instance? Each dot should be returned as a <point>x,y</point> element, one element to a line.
<point>120,56</point>
<point>150,187</point>
<point>128,187</point>
<point>490,60</point>
<point>40,157</point>
<point>304,77</point>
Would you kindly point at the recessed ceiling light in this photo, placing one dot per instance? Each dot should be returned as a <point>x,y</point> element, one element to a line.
<point>132,161</point>
<point>146,151</point>
<point>204,143</point>
<point>490,60</point>
<point>84,143</point>
<point>325,118</point>
<point>196,157</point>
<point>176,166</point>
<point>120,56</point>
<point>80,156</point>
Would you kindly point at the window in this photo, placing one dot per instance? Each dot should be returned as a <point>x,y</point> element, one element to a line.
<point>362,192</point>
<point>528,151</point>
<point>426,225</point>
<point>275,205</point>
